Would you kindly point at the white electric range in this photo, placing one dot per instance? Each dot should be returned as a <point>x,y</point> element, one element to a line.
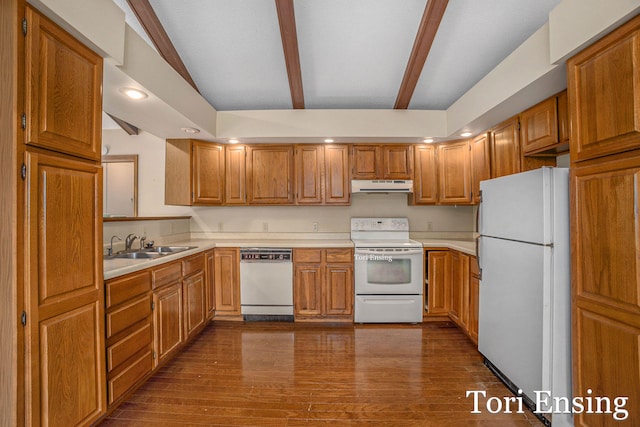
<point>388,271</point>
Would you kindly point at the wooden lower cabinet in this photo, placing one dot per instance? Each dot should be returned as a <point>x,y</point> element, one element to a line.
<point>227,281</point>
<point>209,290</point>
<point>194,303</point>
<point>459,305</point>
<point>168,320</point>
<point>474,299</point>
<point>323,284</point>
<point>438,282</point>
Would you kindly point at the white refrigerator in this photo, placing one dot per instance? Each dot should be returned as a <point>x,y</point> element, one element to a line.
<point>525,291</point>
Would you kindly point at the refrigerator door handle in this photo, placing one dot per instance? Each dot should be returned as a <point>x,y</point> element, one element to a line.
<point>478,257</point>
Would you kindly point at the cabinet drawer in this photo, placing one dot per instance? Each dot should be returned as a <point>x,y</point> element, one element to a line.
<point>307,255</point>
<point>130,345</point>
<point>121,289</point>
<point>126,379</point>
<point>120,319</point>
<point>473,266</point>
<point>167,274</point>
<point>339,255</point>
<point>193,264</point>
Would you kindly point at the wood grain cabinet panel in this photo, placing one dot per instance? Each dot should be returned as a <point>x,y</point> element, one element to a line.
<point>63,87</point>
<point>480,163</point>
<point>425,180</point>
<point>336,175</point>
<point>194,173</point>
<point>227,281</point>
<point>505,148</point>
<point>210,291</point>
<point>459,303</point>
<point>235,189</point>
<point>323,284</point>
<point>540,126</point>
<point>439,282</point>
<point>194,303</point>
<point>365,160</point>
<point>397,161</point>
<point>168,320</point>
<point>270,174</point>
<point>603,84</point>
<point>454,173</point>
<point>65,304</point>
<point>474,299</point>
<point>309,174</point>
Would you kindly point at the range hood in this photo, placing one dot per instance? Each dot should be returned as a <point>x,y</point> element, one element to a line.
<point>382,186</point>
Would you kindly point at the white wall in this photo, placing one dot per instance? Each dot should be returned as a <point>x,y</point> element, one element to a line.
<point>330,219</point>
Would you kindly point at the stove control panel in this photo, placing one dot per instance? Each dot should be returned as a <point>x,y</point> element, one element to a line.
<point>379,224</point>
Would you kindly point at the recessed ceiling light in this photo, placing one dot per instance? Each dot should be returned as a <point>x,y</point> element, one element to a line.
<point>233,141</point>
<point>190,130</point>
<point>133,93</point>
<point>465,134</point>
<point>328,140</point>
<point>427,140</point>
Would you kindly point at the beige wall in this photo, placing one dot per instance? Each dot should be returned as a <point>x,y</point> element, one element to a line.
<point>334,219</point>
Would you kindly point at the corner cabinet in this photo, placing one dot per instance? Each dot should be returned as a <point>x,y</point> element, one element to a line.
<point>194,173</point>
<point>270,175</point>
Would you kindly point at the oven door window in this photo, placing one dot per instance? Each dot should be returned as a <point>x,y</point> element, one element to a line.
<point>389,272</point>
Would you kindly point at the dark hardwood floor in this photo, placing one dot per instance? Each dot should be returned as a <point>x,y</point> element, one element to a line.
<point>285,374</point>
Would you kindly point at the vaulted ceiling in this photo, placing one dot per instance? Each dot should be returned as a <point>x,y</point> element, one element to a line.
<point>335,54</point>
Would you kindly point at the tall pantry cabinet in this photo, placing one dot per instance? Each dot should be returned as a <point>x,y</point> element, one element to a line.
<point>604,104</point>
<point>63,310</point>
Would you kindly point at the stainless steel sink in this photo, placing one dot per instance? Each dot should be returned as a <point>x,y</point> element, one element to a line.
<point>165,250</point>
<point>137,255</point>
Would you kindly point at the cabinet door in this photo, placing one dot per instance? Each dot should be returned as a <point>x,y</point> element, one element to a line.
<point>505,149</point>
<point>210,292</point>
<point>397,161</point>
<point>235,192</point>
<point>425,181</point>
<point>309,174</point>
<point>336,175</point>
<point>439,282</point>
<point>168,318</point>
<point>603,83</point>
<point>454,173</point>
<point>539,128</point>
<point>64,291</point>
<point>208,173</point>
<point>459,303</point>
<point>605,273</point>
<point>480,164</point>
<point>338,289</point>
<point>227,281</point>
<point>270,175</point>
<point>194,303</point>
<point>365,161</point>
<point>307,290</point>
<point>63,90</point>
<point>474,299</point>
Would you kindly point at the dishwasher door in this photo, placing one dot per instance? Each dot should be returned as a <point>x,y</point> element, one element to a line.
<point>266,285</point>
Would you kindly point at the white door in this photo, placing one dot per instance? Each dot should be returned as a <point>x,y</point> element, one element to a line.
<point>513,318</point>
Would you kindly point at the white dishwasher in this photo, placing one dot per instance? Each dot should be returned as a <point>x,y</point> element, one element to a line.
<point>266,284</point>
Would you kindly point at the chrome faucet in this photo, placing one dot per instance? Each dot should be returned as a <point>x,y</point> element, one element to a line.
<point>110,250</point>
<point>129,241</point>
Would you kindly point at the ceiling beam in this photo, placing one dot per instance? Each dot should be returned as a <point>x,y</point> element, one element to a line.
<point>287,20</point>
<point>126,126</point>
<point>159,37</point>
<point>433,13</point>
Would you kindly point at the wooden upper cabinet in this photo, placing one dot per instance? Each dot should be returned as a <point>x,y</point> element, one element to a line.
<point>505,148</point>
<point>270,174</point>
<point>336,175</point>
<point>425,180</point>
<point>397,161</point>
<point>545,128</point>
<point>63,90</point>
<point>603,83</point>
<point>480,163</point>
<point>454,173</point>
<point>382,161</point>
<point>235,191</point>
<point>309,173</point>
<point>194,173</point>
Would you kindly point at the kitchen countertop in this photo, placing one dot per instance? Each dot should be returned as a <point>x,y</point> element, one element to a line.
<point>115,267</point>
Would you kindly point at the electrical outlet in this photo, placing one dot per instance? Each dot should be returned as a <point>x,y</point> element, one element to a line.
<point>265,226</point>
<point>316,226</point>
<point>429,226</point>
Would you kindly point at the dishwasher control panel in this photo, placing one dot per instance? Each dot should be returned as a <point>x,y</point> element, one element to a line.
<point>265,255</point>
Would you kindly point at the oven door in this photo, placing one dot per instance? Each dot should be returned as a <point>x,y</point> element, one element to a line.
<point>388,271</point>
